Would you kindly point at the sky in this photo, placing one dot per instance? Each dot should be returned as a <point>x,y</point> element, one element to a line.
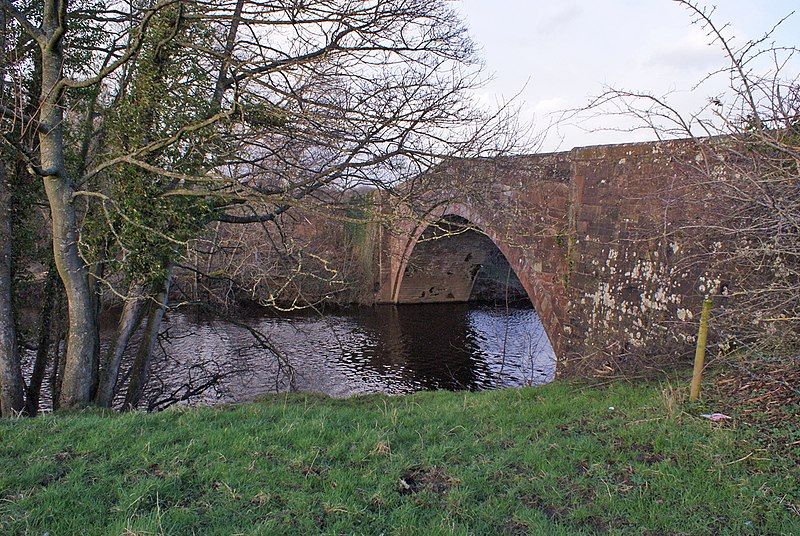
<point>560,53</point>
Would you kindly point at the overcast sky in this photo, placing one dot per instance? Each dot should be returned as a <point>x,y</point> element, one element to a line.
<point>563,52</point>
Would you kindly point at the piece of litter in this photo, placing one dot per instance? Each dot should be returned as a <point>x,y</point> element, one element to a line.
<point>610,408</point>
<point>715,417</point>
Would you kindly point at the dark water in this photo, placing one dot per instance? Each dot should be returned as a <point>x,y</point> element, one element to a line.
<point>388,349</point>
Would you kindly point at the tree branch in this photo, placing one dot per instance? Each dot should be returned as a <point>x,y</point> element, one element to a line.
<point>36,33</point>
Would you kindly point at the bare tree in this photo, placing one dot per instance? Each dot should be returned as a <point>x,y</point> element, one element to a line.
<point>155,118</point>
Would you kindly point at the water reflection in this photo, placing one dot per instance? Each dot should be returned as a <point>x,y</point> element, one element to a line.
<point>361,350</point>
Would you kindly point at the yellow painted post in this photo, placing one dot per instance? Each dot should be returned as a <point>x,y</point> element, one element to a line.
<point>700,352</point>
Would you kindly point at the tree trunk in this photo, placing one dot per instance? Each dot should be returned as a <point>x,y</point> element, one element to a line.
<point>230,42</point>
<point>127,324</point>
<point>11,384</point>
<point>96,275</point>
<point>59,357</point>
<point>43,349</point>
<point>79,377</point>
<point>141,365</point>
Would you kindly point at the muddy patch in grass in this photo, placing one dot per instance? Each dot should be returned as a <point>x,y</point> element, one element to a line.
<point>60,469</point>
<point>645,454</point>
<point>561,515</point>
<point>433,479</point>
<point>55,476</point>
<point>550,511</point>
<point>642,453</point>
<point>515,528</point>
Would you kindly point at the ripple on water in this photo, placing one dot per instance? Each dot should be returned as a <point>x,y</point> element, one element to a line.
<point>388,349</point>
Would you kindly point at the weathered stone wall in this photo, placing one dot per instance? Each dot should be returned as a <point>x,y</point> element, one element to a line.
<point>633,288</point>
<point>594,235</point>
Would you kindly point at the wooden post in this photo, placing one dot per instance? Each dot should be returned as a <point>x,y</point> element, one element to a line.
<point>700,352</point>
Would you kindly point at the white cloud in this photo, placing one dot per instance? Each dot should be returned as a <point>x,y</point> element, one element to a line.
<point>691,52</point>
<point>564,16</point>
<point>559,54</point>
<point>548,106</point>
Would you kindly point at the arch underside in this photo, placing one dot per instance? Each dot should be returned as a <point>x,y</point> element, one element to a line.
<point>454,262</point>
<point>441,269</point>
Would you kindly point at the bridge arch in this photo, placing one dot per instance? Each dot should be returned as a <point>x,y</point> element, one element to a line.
<point>451,271</point>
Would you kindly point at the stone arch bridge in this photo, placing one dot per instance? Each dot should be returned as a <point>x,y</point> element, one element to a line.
<point>593,235</point>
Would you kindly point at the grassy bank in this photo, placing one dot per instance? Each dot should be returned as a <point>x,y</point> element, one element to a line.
<point>554,460</point>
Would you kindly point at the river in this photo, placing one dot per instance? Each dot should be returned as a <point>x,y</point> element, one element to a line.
<point>380,349</point>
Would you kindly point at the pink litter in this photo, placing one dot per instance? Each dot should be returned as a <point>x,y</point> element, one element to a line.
<point>715,417</point>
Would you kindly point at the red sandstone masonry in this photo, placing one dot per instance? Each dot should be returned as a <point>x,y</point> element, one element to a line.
<point>593,235</point>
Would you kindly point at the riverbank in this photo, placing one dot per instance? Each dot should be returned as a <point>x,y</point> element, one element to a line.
<point>560,459</point>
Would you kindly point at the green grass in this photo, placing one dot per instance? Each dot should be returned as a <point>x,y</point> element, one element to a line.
<point>553,460</point>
